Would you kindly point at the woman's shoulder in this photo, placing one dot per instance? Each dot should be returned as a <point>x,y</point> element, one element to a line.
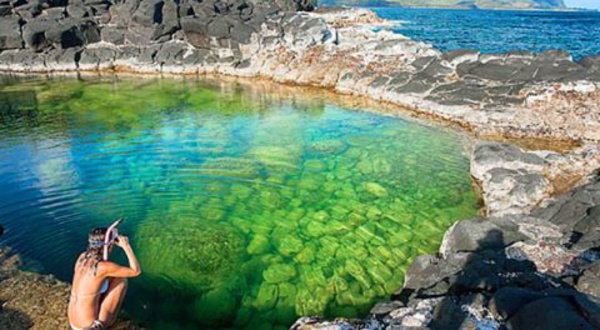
<point>105,266</point>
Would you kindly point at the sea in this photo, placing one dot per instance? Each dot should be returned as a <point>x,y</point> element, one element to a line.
<point>498,31</point>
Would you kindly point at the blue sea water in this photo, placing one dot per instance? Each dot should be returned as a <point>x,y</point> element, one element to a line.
<point>496,31</point>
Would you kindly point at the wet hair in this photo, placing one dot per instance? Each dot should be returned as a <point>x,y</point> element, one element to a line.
<point>95,250</point>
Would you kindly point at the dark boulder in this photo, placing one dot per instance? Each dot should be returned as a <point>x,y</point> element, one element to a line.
<point>219,28</point>
<point>34,35</point>
<point>5,10</point>
<point>460,55</point>
<point>195,32</point>
<point>113,35</point>
<point>196,56</point>
<point>481,234</point>
<point>589,281</point>
<point>590,61</point>
<point>169,22</point>
<point>77,11</point>
<point>121,13</point>
<point>241,32</point>
<point>53,14</point>
<point>551,313</point>
<point>63,59</point>
<point>10,33</point>
<point>426,270</point>
<point>145,20</point>
<point>170,53</point>
<point>507,301</point>
<point>147,54</point>
<point>127,52</point>
<point>384,308</point>
<point>27,58</point>
<point>29,11</point>
<point>448,315</point>
<point>72,33</point>
<point>94,58</point>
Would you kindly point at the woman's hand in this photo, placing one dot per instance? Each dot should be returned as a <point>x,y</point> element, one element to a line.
<point>114,270</point>
<point>122,241</point>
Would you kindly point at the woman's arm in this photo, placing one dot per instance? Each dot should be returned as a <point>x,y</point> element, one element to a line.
<point>113,270</point>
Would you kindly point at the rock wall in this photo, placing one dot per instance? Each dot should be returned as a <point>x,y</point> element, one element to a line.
<point>515,94</point>
<point>47,35</point>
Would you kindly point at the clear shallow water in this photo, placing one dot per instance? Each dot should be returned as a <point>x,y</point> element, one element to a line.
<point>246,209</point>
<point>499,31</point>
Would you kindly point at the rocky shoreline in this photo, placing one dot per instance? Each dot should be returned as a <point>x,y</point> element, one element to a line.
<point>516,94</point>
<point>536,249</point>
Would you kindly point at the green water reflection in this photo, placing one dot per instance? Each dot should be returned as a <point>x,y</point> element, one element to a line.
<point>247,209</point>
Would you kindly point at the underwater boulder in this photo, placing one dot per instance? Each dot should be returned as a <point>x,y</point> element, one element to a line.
<point>311,302</point>
<point>314,165</point>
<point>278,273</point>
<point>290,245</point>
<point>193,255</point>
<point>329,147</point>
<point>375,189</point>
<point>258,245</point>
<point>354,268</point>
<point>307,255</point>
<point>216,307</point>
<point>232,167</point>
<point>267,297</point>
<point>277,158</point>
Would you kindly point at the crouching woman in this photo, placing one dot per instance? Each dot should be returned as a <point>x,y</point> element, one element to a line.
<point>99,285</point>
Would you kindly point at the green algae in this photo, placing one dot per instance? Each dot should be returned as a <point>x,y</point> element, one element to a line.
<point>249,214</point>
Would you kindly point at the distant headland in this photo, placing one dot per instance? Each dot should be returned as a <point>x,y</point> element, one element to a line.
<point>458,4</point>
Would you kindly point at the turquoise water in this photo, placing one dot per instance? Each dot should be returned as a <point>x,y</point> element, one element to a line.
<point>246,208</point>
<point>499,31</point>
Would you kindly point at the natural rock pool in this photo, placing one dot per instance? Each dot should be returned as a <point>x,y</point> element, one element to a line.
<point>246,209</point>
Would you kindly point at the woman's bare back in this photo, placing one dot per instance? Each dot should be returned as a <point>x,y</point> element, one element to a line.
<point>85,293</point>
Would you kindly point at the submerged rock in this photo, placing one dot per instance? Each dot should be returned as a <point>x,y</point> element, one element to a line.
<point>193,255</point>
<point>232,167</point>
<point>278,273</point>
<point>328,146</point>
<point>375,189</point>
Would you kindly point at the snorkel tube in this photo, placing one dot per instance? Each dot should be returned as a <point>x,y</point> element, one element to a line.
<point>111,236</point>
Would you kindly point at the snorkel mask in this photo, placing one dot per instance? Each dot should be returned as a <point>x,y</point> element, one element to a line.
<point>112,234</point>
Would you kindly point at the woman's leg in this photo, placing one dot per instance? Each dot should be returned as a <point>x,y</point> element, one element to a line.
<point>110,302</point>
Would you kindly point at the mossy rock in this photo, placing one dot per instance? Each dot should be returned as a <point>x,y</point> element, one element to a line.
<point>375,189</point>
<point>259,245</point>
<point>379,272</point>
<point>354,268</point>
<point>215,307</point>
<point>312,277</point>
<point>193,254</point>
<point>329,147</point>
<point>307,254</point>
<point>312,302</point>
<point>290,245</point>
<point>277,157</point>
<point>267,297</point>
<point>232,168</point>
<point>278,273</point>
<point>315,165</point>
